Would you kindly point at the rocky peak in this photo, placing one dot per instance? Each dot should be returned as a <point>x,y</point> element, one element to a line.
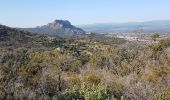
<point>58,24</point>
<point>64,22</point>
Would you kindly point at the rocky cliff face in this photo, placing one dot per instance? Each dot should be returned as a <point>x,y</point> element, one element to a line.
<point>58,24</point>
<point>58,27</point>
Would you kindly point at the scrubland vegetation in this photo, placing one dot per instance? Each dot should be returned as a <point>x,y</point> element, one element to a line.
<point>85,67</point>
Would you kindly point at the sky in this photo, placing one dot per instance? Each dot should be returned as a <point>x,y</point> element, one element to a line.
<point>31,13</point>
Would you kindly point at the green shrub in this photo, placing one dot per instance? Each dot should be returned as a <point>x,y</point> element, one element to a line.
<point>164,95</point>
<point>86,92</point>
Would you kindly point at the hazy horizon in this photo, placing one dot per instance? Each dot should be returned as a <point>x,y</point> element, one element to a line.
<point>33,13</point>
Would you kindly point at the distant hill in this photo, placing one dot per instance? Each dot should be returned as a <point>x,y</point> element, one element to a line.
<point>147,27</point>
<point>11,36</point>
<point>58,27</point>
<point>17,38</point>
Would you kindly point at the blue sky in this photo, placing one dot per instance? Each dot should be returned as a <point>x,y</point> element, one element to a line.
<point>30,13</point>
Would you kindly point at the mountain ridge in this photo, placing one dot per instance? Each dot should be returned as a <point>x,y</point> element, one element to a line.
<point>161,26</point>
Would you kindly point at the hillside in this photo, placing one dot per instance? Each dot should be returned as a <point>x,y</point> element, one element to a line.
<point>12,37</point>
<point>58,27</point>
